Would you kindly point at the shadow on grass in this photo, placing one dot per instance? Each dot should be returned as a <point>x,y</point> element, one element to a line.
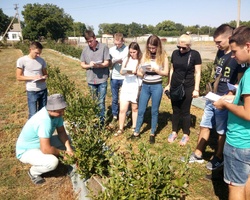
<point>109,117</point>
<point>212,143</point>
<point>163,119</point>
<point>219,186</point>
<point>60,171</point>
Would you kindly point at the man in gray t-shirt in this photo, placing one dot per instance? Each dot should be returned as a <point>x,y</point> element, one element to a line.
<point>32,69</point>
<point>95,59</point>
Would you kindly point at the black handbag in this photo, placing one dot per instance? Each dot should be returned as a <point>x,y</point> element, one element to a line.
<point>178,93</point>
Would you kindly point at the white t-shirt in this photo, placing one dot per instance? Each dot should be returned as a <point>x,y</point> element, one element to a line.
<point>131,83</point>
<point>117,54</point>
<point>32,67</point>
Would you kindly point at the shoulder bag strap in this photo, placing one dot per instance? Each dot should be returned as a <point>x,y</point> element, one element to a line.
<point>189,57</point>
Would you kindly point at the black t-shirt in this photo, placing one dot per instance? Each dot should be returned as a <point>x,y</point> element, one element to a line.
<point>180,61</point>
<point>229,72</point>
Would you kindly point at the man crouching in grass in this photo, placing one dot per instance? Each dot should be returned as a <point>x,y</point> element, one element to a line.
<point>34,145</point>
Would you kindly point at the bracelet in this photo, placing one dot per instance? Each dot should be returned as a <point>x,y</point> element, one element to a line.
<point>197,90</point>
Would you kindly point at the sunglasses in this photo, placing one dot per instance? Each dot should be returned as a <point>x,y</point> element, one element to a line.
<point>183,48</point>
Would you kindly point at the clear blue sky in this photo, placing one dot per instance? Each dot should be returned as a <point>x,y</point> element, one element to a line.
<point>150,12</point>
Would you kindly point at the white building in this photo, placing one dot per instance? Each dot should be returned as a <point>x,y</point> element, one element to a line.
<point>15,34</point>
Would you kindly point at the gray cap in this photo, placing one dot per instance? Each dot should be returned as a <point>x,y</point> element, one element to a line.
<point>55,102</point>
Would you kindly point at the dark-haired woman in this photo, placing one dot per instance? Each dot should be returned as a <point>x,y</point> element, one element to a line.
<point>130,86</point>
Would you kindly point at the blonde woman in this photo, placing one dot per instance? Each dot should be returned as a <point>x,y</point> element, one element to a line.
<point>185,64</point>
<point>130,86</point>
<point>156,59</point>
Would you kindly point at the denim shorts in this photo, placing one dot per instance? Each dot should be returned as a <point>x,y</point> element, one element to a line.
<point>214,118</point>
<point>236,165</point>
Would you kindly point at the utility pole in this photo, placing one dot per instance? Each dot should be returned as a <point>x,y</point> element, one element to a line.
<point>18,18</point>
<point>19,22</point>
<point>238,18</point>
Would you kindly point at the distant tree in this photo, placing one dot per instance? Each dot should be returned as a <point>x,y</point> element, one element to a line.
<point>180,28</point>
<point>119,28</point>
<point>134,29</point>
<point>151,29</point>
<point>245,23</point>
<point>113,28</point>
<point>191,29</point>
<point>205,30</point>
<point>106,28</point>
<point>242,23</point>
<point>144,29</point>
<point>232,23</point>
<point>46,20</point>
<point>166,28</point>
<point>4,22</point>
<point>212,30</point>
<point>78,29</point>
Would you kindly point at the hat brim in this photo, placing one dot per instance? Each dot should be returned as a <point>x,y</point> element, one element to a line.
<point>60,106</point>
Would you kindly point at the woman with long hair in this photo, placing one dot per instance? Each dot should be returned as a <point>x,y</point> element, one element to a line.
<point>154,66</point>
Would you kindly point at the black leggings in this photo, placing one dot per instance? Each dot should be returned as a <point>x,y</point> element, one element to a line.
<point>182,109</point>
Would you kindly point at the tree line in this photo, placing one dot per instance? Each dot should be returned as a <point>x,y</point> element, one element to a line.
<point>48,21</point>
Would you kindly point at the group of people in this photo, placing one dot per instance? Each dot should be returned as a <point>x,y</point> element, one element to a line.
<point>139,75</point>
<point>229,116</point>
<point>136,78</point>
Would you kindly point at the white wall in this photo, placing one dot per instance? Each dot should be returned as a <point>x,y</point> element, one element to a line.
<point>14,36</point>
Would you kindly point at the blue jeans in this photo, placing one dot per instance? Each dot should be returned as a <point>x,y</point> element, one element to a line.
<point>213,117</point>
<point>236,165</point>
<point>36,101</point>
<point>155,92</point>
<point>116,84</point>
<point>99,92</point>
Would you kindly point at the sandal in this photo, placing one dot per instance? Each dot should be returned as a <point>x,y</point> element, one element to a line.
<point>135,136</point>
<point>184,140</point>
<point>36,179</point>
<point>133,129</point>
<point>119,132</point>
<point>172,137</point>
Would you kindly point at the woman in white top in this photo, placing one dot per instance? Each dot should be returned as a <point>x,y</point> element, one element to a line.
<point>130,86</point>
